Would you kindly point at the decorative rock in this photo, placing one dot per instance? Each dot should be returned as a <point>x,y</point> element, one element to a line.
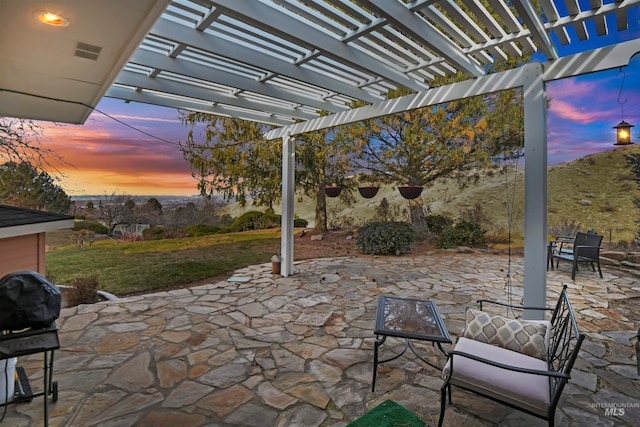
<point>225,376</point>
<point>225,402</point>
<point>274,397</point>
<point>133,375</point>
<point>306,415</point>
<point>187,393</point>
<point>171,372</point>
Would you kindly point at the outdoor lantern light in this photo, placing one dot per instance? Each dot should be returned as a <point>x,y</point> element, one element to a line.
<point>623,129</point>
<point>623,133</point>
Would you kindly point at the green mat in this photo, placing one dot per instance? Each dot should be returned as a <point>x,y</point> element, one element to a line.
<point>388,414</point>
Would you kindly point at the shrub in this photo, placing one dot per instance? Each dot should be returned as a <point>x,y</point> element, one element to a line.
<point>300,222</point>
<point>94,226</point>
<point>175,233</point>
<point>153,233</point>
<point>202,230</point>
<point>83,237</point>
<point>385,238</point>
<point>83,290</point>
<point>436,223</point>
<point>464,233</point>
<point>565,228</point>
<point>255,220</point>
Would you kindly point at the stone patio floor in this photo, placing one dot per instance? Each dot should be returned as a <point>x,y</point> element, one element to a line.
<point>298,351</point>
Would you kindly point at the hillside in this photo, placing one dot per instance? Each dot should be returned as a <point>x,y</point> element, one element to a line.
<point>596,191</point>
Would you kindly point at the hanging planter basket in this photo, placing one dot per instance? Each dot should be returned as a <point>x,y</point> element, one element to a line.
<point>410,192</point>
<point>368,192</point>
<point>332,191</point>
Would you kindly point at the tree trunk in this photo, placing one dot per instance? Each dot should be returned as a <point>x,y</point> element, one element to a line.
<point>321,209</point>
<point>418,218</point>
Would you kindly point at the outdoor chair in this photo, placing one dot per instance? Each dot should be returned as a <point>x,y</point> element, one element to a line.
<point>585,249</point>
<point>522,364</point>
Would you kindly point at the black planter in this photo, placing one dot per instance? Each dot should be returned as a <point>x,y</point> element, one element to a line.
<point>410,192</point>
<point>368,192</point>
<point>332,191</point>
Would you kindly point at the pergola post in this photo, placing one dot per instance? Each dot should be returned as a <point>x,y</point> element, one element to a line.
<point>288,198</point>
<point>535,190</point>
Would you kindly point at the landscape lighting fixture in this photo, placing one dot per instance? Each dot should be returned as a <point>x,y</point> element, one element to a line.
<point>623,129</point>
<point>51,18</point>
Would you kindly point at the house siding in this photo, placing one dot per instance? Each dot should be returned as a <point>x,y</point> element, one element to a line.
<point>22,253</point>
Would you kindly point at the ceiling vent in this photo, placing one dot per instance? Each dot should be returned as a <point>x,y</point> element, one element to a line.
<point>88,51</point>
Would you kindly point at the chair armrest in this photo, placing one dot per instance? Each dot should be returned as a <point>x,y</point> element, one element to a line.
<point>554,374</point>
<point>577,248</point>
<point>519,307</point>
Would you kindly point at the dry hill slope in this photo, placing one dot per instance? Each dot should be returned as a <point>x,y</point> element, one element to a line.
<point>596,191</point>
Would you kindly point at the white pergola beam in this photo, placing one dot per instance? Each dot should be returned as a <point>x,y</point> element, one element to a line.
<point>159,84</point>
<point>533,22</point>
<point>202,72</point>
<point>535,190</point>
<point>582,63</point>
<point>405,20</point>
<point>226,48</point>
<point>288,200</point>
<point>269,18</point>
<point>155,98</point>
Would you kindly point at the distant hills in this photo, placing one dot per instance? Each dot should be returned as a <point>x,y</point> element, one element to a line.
<point>595,191</point>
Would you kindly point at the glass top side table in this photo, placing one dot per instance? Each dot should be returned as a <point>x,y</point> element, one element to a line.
<point>411,319</point>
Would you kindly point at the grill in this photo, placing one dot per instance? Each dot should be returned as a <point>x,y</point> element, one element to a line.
<point>29,306</point>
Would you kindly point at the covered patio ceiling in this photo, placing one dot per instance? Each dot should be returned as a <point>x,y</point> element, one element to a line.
<point>275,61</point>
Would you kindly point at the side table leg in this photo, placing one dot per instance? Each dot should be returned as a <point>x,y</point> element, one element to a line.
<point>377,344</point>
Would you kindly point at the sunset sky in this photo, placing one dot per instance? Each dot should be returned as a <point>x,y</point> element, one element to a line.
<point>108,157</point>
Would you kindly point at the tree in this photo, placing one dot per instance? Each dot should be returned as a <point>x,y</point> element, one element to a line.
<point>322,160</point>
<point>112,210</point>
<point>19,142</point>
<point>418,146</point>
<point>21,184</point>
<point>150,212</point>
<point>234,160</point>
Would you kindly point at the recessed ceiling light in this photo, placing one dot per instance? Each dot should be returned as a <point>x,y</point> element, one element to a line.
<point>51,18</point>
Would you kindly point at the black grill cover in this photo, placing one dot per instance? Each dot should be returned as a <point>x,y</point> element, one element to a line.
<point>27,300</point>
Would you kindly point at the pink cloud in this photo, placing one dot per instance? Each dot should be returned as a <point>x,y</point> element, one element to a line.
<point>568,111</point>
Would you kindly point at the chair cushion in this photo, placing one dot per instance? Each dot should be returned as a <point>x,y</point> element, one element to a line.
<point>513,334</point>
<point>522,390</point>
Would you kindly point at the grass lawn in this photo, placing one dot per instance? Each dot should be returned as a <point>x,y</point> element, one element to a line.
<point>136,267</point>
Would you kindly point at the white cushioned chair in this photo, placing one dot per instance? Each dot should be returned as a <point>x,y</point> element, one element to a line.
<point>522,364</point>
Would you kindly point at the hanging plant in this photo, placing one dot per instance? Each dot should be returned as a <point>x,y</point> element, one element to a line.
<point>332,191</point>
<point>368,191</point>
<point>410,192</point>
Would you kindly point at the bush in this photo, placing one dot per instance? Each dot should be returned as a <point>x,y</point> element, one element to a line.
<point>566,228</point>
<point>255,220</point>
<point>464,233</point>
<point>436,223</point>
<point>153,233</point>
<point>83,290</point>
<point>300,222</point>
<point>385,238</point>
<point>202,230</point>
<point>94,226</point>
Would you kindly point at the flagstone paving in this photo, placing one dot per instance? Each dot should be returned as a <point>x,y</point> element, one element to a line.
<point>298,351</point>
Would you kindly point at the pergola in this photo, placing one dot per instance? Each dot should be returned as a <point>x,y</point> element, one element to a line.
<point>281,62</point>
